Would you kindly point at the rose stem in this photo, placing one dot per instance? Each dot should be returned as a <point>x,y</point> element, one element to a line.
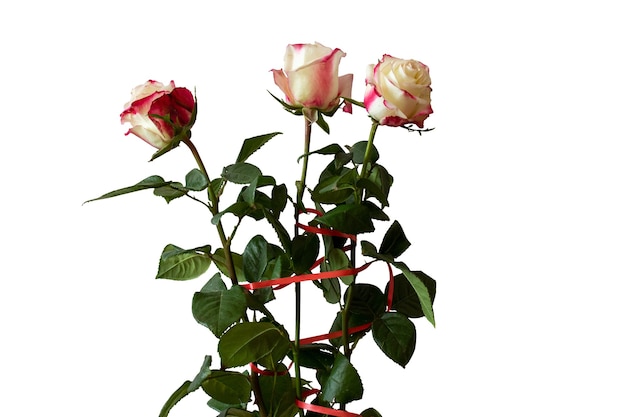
<point>214,210</point>
<point>213,207</point>
<point>299,204</point>
<point>345,319</point>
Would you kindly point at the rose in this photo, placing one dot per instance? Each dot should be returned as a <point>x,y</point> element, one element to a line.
<point>397,92</point>
<point>158,113</point>
<point>310,79</point>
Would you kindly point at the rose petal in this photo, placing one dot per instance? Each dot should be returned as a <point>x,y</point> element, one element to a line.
<point>398,91</point>
<point>151,137</point>
<point>159,113</point>
<point>280,79</point>
<point>302,55</point>
<point>140,106</point>
<point>183,104</point>
<point>316,84</point>
<point>345,90</point>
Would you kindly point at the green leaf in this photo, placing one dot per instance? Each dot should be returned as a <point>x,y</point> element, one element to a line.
<point>174,143</point>
<point>279,199</point>
<point>330,288</point>
<point>241,173</point>
<point>220,261</point>
<point>214,284</point>
<point>421,290</point>
<point>341,159</point>
<point>279,395</point>
<point>205,371</point>
<point>317,356</point>
<point>370,412</point>
<point>336,167</point>
<point>254,258</point>
<point>225,410</point>
<point>381,177</point>
<point>367,301</point>
<point>170,191</point>
<point>395,335</point>
<point>395,241</point>
<point>281,232</point>
<point>304,251</point>
<point>375,212</point>
<point>265,180</point>
<point>181,264</point>
<point>153,181</point>
<point>358,153</point>
<point>405,299</point>
<point>195,180</point>
<point>176,396</point>
<point>217,185</point>
<point>326,150</point>
<point>228,387</point>
<point>239,209</point>
<point>348,218</point>
<point>343,385</point>
<point>273,360</point>
<point>368,249</point>
<point>249,342</point>
<point>218,310</point>
<point>278,265</point>
<point>322,123</point>
<point>354,320</point>
<point>338,260</point>
<point>251,145</point>
<point>335,189</point>
<point>260,203</point>
<point>289,108</point>
<point>249,193</point>
<point>374,190</point>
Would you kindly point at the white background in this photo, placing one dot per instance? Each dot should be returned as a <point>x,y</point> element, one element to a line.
<point>515,203</point>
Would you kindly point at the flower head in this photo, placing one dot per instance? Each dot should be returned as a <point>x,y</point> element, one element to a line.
<point>310,78</point>
<point>397,92</point>
<point>157,112</point>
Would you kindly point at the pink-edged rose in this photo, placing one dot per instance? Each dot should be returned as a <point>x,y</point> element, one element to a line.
<point>397,92</point>
<point>310,78</point>
<point>157,112</point>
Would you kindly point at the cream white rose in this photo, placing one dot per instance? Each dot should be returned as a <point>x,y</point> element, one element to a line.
<point>309,78</point>
<point>397,92</point>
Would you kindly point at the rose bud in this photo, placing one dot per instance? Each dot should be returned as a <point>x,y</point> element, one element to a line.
<point>310,79</point>
<point>397,92</point>
<point>157,113</point>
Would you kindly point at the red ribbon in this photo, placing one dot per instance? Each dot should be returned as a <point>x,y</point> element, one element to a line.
<point>325,410</point>
<point>265,372</point>
<point>322,410</point>
<point>283,282</point>
<point>279,283</point>
<point>334,335</point>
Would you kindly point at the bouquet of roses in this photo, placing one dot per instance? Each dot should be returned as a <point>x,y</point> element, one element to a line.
<point>317,248</point>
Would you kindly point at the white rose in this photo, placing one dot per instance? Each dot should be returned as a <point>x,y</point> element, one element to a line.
<point>397,92</point>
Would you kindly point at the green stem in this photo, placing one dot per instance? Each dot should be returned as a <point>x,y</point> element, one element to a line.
<point>368,155</point>
<point>301,185</point>
<point>213,207</point>
<point>305,163</point>
<point>256,387</point>
<point>196,155</point>
<point>345,313</point>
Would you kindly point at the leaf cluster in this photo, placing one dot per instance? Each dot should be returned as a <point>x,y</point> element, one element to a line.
<point>350,197</point>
